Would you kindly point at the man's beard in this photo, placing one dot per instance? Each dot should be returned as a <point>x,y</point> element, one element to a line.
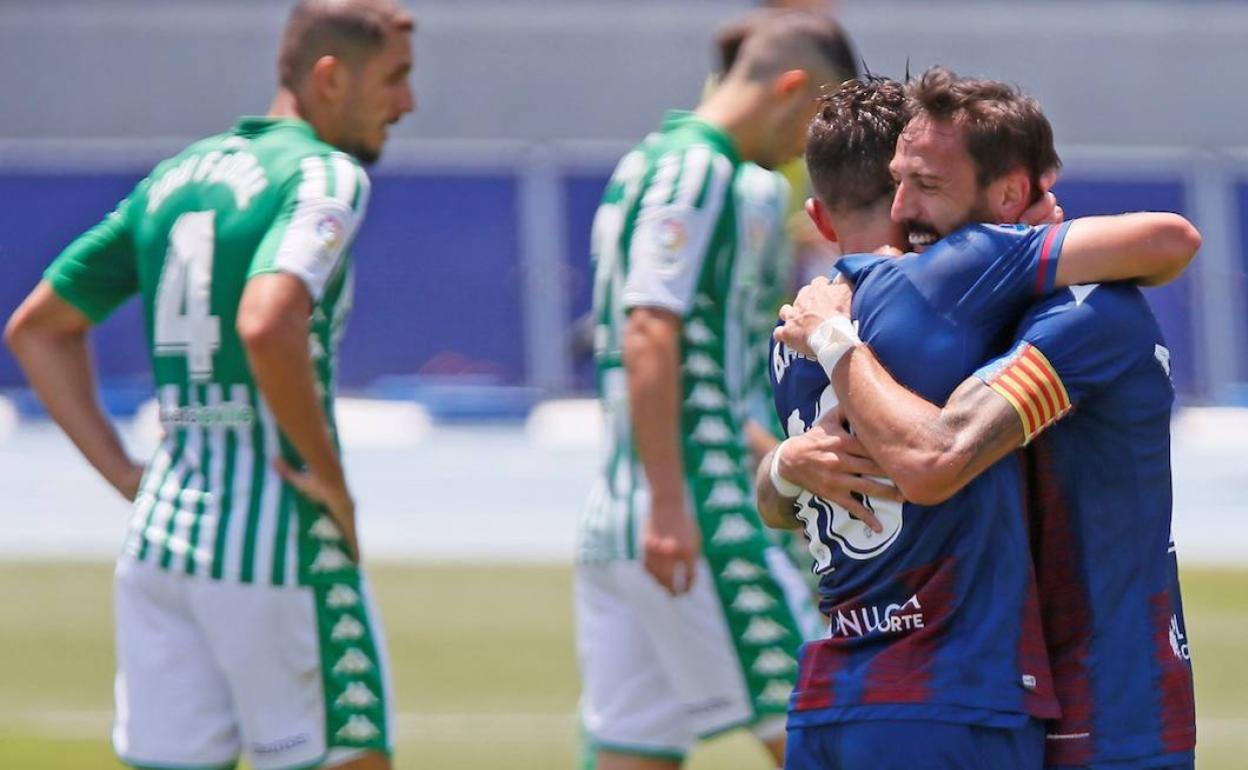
<point>923,234</point>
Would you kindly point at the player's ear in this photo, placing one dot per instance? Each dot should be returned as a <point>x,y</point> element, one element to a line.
<point>791,82</point>
<point>818,214</point>
<point>328,78</point>
<point>1010,195</point>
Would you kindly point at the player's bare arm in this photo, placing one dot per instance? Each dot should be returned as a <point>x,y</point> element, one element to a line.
<point>1150,248</point>
<point>651,348</point>
<point>273,325</point>
<point>929,451</point>
<point>48,337</point>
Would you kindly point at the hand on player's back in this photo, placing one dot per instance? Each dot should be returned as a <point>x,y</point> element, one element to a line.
<point>830,463</point>
<point>815,303</point>
<point>128,483</point>
<point>1045,211</point>
<point>671,545</point>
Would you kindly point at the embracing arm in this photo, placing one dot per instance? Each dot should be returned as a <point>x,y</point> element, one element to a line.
<point>48,337</point>
<point>929,452</point>
<point>1151,248</point>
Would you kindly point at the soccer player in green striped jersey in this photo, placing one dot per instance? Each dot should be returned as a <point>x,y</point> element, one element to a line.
<point>243,621</point>
<point>684,627</point>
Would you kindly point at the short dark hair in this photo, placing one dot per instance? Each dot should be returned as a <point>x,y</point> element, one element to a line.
<point>348,29</point>
<point>1005,129</point>
<point>852,139</point>
<point>789,38</point>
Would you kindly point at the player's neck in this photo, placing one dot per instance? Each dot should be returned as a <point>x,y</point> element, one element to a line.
<point>735,108</point>
<point>285,105</point>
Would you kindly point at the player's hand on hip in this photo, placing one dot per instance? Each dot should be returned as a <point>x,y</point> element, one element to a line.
<point>830,463</point>
<point>671,546</point>
<point>335,498</point>
<point>815,303</point>
<point>129,480</point>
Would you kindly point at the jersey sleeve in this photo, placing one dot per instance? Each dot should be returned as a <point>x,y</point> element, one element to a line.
<point>1062,354</point>
<point>675,225</point>
<point>99,270</point>
<point>997,270</point>
<point>318,221</point>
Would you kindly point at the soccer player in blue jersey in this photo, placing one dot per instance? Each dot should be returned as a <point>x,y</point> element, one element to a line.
<point>1090,362</point>
<point>934,626</point>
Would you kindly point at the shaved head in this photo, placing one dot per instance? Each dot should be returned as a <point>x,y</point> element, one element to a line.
<point>350,30</point>
<point>778,41</point>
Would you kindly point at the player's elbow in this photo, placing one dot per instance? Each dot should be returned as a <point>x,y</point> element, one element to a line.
<point>930,478</point>
<point>1176,242</point>
<point>260,330</point>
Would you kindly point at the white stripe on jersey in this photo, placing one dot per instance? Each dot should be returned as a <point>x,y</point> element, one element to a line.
<point>697,159</point>
<point>212,505</point>
<point>240,496</point>
<point>270,500</point>
<point>660,188</point>
<point>344,178</point>
<point>185,504</point>
<point>156,532</point>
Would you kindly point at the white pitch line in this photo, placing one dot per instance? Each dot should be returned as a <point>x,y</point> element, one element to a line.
<point>410,725</point>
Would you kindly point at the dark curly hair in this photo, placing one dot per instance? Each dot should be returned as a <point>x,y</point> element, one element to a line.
<point>1005,129</point>
<point>851,141</point>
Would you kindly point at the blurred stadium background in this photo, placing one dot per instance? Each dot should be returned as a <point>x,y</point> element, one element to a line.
<point>462,359</point>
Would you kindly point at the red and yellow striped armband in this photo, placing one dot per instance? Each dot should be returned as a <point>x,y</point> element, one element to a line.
<point>1029,382</point>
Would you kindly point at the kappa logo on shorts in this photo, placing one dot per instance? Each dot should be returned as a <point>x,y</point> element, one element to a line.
<point>356,696</point>
<point>707,397</point>
<point>341,597</point>
<point>702,365</point>
<point>325,529</point>
<point>764,631</point>
<point>732,529</point>
<point>752,599</point>
<point>776,692</point>
<point>774,661</point>
<point>699,333</point>
<point>353,661</point>
<point>741,571</point>
<point>717,465</point>
<point>358,729</point>
<point>726,495</point>
<point>330,559</point>
<point>347,629</point>
<point>712,430</point>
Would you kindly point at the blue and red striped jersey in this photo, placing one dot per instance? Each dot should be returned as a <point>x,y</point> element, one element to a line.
<point>1100,489</point>
<point>937,617</point>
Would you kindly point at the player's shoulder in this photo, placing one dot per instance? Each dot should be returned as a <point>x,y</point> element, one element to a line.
<point>1107,311</point>
<point>986,238</point>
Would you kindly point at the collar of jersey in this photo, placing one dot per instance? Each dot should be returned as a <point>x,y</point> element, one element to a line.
<point>713,134</point>
<point>254,124</point>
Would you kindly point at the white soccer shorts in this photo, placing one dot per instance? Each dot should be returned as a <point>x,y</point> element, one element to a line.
<point>292,676</point>
<point>659,673</point>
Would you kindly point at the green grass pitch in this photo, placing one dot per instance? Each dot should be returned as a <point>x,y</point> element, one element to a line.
<point>484,669</point>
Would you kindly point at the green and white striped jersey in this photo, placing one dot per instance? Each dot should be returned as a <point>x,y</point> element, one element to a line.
<point>267,196</point>
<point>684,225</point>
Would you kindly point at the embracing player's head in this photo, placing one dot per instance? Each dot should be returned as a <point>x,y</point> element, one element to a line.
<point>849,146</point>
<point>781,59</point>
<point>974,151</point>
<point>346,63</point>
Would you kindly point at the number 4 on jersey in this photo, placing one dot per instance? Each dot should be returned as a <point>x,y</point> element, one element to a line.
<point>184,324</point>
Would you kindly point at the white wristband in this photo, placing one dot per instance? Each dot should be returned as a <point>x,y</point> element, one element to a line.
<point>831,340</point>
<point>785,487</point>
